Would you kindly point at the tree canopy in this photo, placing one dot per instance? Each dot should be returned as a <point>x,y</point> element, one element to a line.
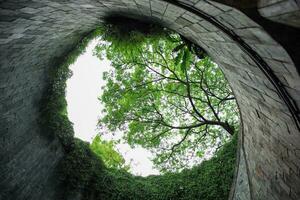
<point>82,173</point>
<point>166,96</point>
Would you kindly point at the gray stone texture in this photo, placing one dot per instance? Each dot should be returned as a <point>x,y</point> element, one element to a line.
<point>36,34</point>
<point>283,11</point>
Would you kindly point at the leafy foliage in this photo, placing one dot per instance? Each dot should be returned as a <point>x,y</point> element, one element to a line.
<point>106,151</point>
<point>83,171</point>
<point>211,180</point>
<point>126,33</point>
<point>166,99</point>
<point>78,166</point>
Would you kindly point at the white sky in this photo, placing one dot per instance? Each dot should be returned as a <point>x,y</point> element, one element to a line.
<point>84,108</point>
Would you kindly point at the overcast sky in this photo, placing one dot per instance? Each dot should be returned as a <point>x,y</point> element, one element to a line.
<point>84,108</point>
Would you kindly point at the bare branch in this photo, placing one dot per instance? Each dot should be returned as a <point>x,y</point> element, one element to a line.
<point>190,97</point>
<point>179,143</point>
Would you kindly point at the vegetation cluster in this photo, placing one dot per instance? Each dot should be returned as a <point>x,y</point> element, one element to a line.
<point>85,170</point>
<point>165,94</point>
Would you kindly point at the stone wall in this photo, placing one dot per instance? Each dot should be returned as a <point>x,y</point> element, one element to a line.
<point>282,11</point>
<point>35,35</point>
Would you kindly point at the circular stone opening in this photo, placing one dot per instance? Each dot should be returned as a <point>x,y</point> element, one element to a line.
<point>175,77</point>
<point>208,106</point>
<point>247,54</point>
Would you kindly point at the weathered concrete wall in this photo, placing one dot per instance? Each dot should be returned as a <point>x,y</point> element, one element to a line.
<point>34,35</point>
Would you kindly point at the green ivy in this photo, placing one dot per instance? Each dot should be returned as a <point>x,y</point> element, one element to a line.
<point>54,114</point>
<point>211,180</point>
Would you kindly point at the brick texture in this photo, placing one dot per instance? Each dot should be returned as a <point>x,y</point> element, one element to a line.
<point>35,35</point>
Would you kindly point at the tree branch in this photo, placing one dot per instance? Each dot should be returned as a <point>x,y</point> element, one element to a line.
<point>190,97</point>
<point>179,143</point>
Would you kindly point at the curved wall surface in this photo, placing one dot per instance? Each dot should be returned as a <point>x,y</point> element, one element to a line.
<point>259,58</point>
